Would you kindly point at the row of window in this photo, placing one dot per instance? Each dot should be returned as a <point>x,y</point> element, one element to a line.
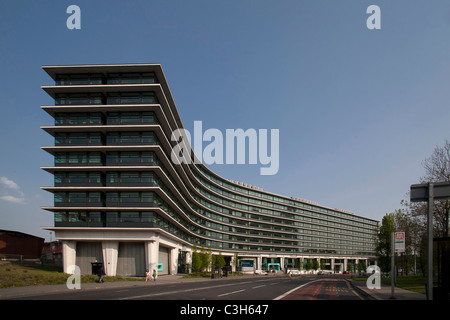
<point>143,217</point>
<point>110,78</point>
<point>109,98</point>
<point>108,179</point>
<point>207,186</point>
<point>136,177</point>
<point>231,186</point>
<point>98,158</point>
<point>111,138</point>
<point>109,197</point>
<point>149,199</point>
<point>111,118</point>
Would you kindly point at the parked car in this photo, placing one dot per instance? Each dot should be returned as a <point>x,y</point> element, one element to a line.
<point>321,272</point>
<point>262,272</point>
<point>293,271</point>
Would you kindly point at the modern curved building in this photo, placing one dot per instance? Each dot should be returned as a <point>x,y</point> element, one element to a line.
<point>120,200</point>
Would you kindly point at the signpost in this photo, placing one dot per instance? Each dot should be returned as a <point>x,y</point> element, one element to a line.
<point>430,192</point>
<point>399,242</point>
<point>397,246</point>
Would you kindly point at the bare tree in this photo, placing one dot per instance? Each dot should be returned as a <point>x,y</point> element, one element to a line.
<point>437,169</point>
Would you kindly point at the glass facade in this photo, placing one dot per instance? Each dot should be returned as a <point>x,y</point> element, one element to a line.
<point>127,179</point>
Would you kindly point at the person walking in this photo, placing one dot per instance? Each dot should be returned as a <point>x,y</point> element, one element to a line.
<point>154,275</point>
<point>147,275</point>
<point>100,273</point>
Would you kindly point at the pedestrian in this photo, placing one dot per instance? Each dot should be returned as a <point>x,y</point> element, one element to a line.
<point>154,275</point>
<point>100,273</point>
<point>147,275</point>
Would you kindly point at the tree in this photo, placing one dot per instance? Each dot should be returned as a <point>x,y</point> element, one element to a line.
<point>204,256</point>
<point>322,264</point>
<point>308,264</point>
<point>220,261</point>
<point>315,264</point>
<point>437,169</point>
<point>383,248</point>
<point>196,260</point>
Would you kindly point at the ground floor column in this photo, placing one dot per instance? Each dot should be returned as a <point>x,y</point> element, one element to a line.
<point>69,251</point>
<point>259,263</point>
<point>152,253</point>
<point>173,261</point>
<point>110,253</point>
<point>189,260</point>
<point>233,263</point>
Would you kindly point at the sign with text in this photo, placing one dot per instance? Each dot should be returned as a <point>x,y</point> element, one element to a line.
<point>399,242</point>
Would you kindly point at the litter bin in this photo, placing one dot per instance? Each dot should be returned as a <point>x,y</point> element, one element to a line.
<point>96,266</point>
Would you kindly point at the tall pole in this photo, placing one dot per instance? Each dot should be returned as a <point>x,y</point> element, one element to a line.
<point>392,265</point>
<point>430,241</point>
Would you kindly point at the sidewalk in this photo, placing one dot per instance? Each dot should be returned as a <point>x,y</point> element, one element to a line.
<point>385,292</point>
<point>29,291</point>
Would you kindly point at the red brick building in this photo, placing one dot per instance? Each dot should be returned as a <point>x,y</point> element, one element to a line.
<point>14,244</point>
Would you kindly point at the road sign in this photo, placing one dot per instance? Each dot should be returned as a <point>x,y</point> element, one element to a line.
<point>420,192</point>
<point>399,242</point>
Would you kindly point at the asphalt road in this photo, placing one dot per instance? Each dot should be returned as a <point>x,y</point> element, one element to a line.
<point>259,288</point>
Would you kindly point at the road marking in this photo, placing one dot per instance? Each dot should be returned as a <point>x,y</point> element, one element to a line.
<point>181,291</point>
<point>348,285</point>
<point>259,286</point>
<point>290,291</point>
<point>228,293</point>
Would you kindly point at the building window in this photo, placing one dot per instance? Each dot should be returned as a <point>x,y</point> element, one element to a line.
<point>131,138</point>
<point>78,98</point>
<point>131,118</point>
<point>78,79</point>
<point>131,98</point>
<point>129,216</point>
<point>131,78</point>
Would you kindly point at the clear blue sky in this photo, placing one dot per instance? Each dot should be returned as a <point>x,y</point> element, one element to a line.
<point>358,110</point>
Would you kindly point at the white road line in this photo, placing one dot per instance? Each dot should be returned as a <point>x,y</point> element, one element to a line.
<point>228,293</point>
<point>290,291</point>
<point>259,286</point>
<point>181,291</point>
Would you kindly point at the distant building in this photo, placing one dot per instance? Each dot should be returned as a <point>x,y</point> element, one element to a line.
<point>52,253</point>
<point>18,245</point>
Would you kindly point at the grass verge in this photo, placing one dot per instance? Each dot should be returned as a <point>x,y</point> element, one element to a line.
<point>412,283</point>
<point>15,275</point>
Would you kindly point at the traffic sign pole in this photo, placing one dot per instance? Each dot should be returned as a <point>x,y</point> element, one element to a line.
<point>430,240</point>
<point>392,264</point>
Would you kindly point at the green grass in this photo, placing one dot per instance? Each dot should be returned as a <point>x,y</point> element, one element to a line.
<point>14,275</point>
<point>412,283</point>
